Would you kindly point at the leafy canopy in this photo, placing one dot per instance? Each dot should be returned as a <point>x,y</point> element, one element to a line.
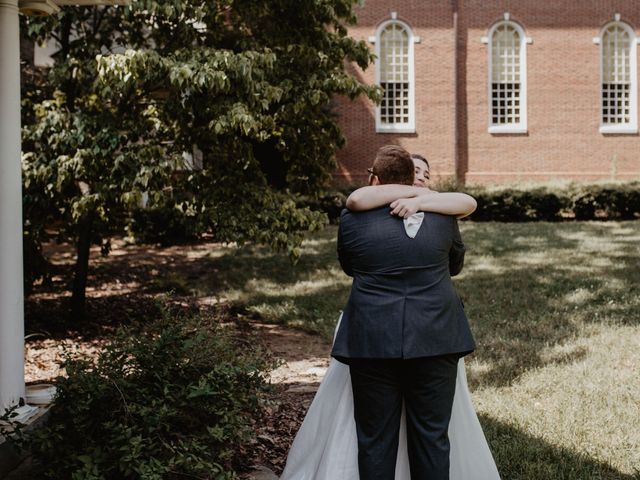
<point>248,83</point>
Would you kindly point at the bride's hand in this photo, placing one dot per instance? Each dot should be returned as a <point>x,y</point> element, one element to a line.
<point>405,207</point>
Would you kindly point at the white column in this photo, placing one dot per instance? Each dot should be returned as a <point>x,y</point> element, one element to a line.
<point>11,294</point>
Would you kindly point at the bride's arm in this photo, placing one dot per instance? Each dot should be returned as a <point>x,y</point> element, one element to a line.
<point>447,203</point>
<point>406,200</point>
<point>374,196</point>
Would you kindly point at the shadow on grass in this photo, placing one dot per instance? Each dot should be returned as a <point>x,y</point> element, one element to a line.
<point>317,311</point>
<point>506,238</point>
<point>214,269</point>
<point>124,286</point>
<point>520,456</point>
<point>236,269</point>
<point>50,317</point>
<point>526,287</point>
<point>523,300</point>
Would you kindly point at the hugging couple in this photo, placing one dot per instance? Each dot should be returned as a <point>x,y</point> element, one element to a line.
<point>394,403</point>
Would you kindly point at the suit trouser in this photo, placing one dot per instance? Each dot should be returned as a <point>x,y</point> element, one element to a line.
<point>427,386</point>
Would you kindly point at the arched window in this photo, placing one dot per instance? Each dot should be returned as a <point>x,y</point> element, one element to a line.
<point>507,78</point>
<point>394,73</point>
<point>619,79</point>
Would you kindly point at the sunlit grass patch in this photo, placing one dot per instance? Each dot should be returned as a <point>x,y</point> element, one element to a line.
<point>583,402</point>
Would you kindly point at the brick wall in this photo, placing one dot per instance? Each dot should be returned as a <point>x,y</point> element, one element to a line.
<point>563,89</point>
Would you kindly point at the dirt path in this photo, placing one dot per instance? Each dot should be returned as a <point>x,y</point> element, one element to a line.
<point>305,360</point>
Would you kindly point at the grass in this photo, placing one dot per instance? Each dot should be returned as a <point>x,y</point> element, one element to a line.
<point>308,295</point>
<point>555,309</point>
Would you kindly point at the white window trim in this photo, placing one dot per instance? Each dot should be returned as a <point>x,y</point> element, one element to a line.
<point>521,127</point>
<point>508,128</point>
<point>632,127</point>
<point>412,39</point>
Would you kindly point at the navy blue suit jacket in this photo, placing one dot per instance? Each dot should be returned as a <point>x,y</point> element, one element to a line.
<point>402,302</point>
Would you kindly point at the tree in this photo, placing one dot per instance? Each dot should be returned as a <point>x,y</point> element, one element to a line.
<point>249,82</point>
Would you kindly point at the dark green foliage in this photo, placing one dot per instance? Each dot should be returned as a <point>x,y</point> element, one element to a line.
<point>330,203</point>
<point>608,201</point>
<point>582,202</point>
<point>174,400</point>
<point>510,205</point>
<point>248,82</point>
<point>501,206</point>
<point>35,265</point>
<point>165,224</point>
<point>546,205</point>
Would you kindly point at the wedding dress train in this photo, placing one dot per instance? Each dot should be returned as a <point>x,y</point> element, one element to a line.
<point>326,448</point>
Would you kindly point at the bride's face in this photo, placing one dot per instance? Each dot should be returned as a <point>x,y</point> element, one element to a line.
<point>421,173</point>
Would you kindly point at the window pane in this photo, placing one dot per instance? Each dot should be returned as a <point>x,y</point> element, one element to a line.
<point>505,103</point>
<point>616,75</point>
<point>505,75</point>
<point>394,74</point>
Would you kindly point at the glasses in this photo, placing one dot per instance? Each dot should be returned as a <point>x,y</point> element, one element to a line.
<point>372,175</point>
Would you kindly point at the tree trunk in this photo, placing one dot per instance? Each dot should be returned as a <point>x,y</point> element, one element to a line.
<point>78,297</point>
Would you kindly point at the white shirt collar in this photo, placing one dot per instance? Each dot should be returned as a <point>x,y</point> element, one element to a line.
<point>413,223</point>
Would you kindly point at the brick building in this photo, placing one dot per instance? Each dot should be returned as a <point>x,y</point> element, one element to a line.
<point>499,91</point>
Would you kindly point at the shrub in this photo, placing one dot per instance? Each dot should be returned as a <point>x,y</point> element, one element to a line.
<point>544,205</point>
<point>175,400</point>
<point>35,266</point>
<point>330,203</point>
<point>501,206</point>
<point>621,201</point>
<point>166,225</point>
<point>513,205</point>
<point>579,201</point>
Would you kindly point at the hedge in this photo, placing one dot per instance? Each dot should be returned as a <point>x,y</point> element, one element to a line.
<point>580,202</point>
<point>613,201</point>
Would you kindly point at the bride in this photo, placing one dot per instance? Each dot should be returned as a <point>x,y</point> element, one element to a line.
<point>326,447</point>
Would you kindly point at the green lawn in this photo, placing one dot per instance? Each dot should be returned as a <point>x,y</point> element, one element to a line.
<point>555,308</point>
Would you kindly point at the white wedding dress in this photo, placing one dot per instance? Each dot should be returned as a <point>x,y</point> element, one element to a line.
<point>326,446</point>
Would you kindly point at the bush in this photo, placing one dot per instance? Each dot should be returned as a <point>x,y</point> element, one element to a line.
<point>175,400</point>
<point>512,205</point>
<point>500,204</point>
<point>35,266</point>
<point>522,204</point>
<point>606,201</point>
<point>330,203</point>
<point>549,203</point>
<point>166,225</point>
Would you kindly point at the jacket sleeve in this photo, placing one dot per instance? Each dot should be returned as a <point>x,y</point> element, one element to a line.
<point>342,255</point>
<point>456,253</point>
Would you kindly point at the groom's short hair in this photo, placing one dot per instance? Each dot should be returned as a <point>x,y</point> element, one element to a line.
<point>393,164</point>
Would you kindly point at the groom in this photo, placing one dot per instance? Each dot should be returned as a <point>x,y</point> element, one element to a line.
<point>403,329</point>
